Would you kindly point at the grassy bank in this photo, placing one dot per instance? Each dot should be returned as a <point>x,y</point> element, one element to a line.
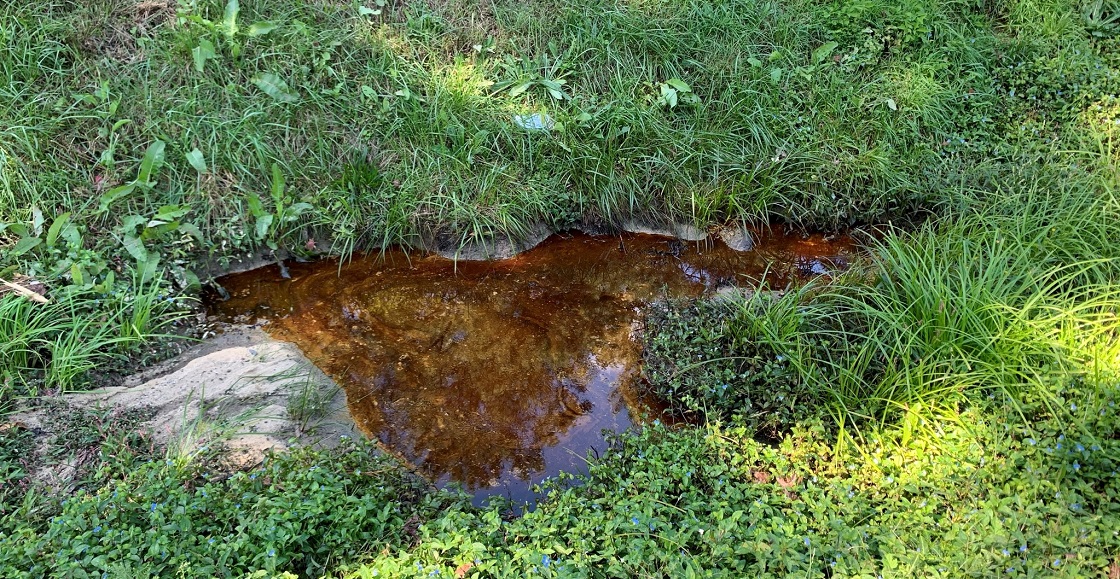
<point>947,408</point>
<point>144,140</point>
<point>408,118</point>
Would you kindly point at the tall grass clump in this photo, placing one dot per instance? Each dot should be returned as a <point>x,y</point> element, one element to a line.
<point>1016,297</point>
<point>52,346</point>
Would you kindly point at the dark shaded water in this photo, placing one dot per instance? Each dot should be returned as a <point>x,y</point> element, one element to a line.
<point>499,374</point>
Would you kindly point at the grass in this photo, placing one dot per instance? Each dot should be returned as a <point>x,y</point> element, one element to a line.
<point>1012,296</point>
<point>817,142</point>
<point>1004,301</point>
<point>310,400</point>
<point>972,356</point>
<point>1009,302</point>
<point>54,346</point>
<point>152,139</point>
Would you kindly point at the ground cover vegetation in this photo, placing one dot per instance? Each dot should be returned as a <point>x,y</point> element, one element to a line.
<point>945,408</point>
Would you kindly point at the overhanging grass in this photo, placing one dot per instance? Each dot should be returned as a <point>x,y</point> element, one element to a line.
<point>1012,294</point>
<point>1016,298</point>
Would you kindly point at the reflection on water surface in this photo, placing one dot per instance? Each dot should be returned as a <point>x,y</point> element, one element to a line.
<point>498,374</point>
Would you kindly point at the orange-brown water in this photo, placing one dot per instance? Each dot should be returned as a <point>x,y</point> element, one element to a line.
<point>498,374</point>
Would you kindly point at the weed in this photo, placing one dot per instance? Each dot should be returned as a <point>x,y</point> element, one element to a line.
<point>17,445</point>
<point>284,212</point>
<point>294,513</point>
<point>714,501</point>
<point>310,400</point>
<point>99,444</point>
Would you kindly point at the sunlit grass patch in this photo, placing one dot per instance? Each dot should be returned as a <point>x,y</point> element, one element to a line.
<point>670,502</point>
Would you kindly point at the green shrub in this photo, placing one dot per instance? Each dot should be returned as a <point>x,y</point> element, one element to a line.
<point>985,495</point>
<point>303,511</point>
<point>727,359</point>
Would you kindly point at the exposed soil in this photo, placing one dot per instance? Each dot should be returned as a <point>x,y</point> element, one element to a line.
<point>114,34</point>
<point>241,390</point>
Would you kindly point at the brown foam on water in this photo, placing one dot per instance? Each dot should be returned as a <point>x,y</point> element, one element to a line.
<point>498,374</point>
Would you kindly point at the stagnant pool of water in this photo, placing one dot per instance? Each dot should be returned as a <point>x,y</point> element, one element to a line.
<point>499,374</point>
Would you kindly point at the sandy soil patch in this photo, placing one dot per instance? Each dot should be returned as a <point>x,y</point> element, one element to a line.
<point>242,389</point>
